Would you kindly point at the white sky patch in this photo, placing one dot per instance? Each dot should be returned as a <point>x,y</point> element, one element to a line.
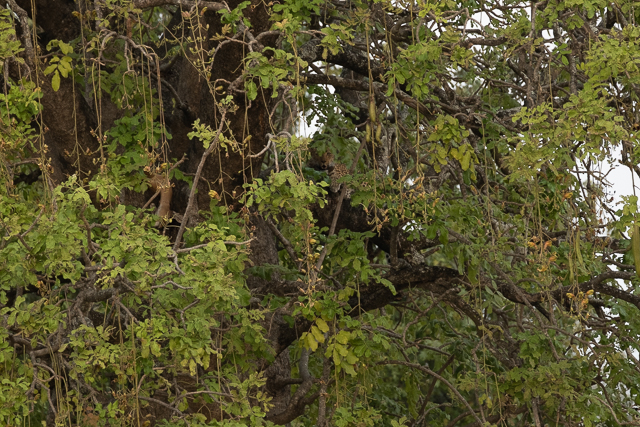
<point>621,180</point>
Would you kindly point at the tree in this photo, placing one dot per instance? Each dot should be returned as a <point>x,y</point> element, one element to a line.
<point>318,213</point>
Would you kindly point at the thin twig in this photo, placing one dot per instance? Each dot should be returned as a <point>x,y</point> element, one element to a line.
<point>196,178</point>
<point>204,245</point>
<point>26,33</point>
<point>164,285</point>
<point>175,261</point>
<point>252,156</point>
<point>287,245</point>
<point>336,214</point>
<point>439,377</point>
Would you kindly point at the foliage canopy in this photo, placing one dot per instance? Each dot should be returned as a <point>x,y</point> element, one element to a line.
<point>320,212</point>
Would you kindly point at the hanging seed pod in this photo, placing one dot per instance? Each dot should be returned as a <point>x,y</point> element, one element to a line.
<point>635,246</point>
<point>578,251</point>
<point>379,133</point>
<point>367,131</point>
<point>372,110</point>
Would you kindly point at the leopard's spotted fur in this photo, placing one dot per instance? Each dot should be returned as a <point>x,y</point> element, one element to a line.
<point>336,171</point>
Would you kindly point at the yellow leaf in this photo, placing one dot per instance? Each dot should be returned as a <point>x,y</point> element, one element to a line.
<point>311,342</point>
<point>343,337</point>
<point>317,334</point>
<point>322,325</point>
<point>55,82</point>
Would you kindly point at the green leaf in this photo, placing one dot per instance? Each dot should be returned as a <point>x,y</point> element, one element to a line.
<point>252,89</point>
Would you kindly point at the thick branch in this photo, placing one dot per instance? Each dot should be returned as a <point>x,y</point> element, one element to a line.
<point>145,4</point>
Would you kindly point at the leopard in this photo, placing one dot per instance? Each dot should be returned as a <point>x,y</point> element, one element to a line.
<point>339,171</point>
<point>326,162</point>
<point>321,162</point>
